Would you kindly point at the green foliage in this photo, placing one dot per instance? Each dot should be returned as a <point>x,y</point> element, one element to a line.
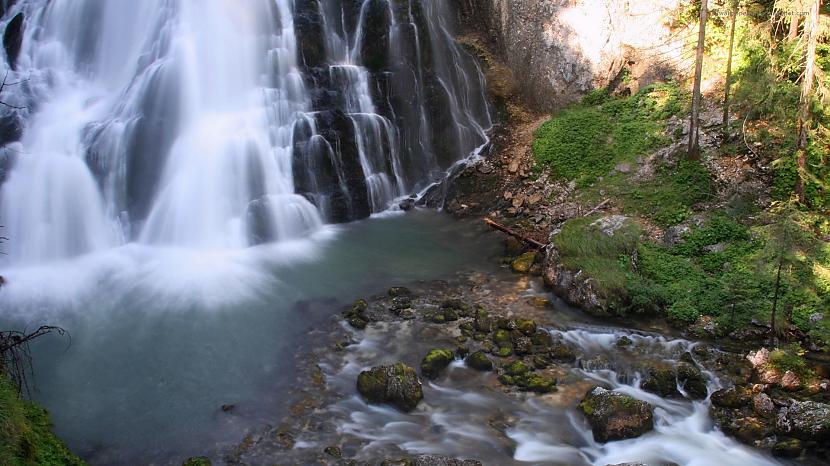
<point>584,142</point>
<point>668,198</point>
<point>25,433</point>
<point>789,358</point>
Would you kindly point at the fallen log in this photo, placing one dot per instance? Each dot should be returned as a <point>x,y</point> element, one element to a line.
<point>515,234</point>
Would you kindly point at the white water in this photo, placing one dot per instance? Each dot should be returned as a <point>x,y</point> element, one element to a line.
<point>462,418</point>
<point>173,123</point>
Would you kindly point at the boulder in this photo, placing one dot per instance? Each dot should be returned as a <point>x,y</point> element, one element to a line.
<point>397,385</point>
<point>436,361</point>
<point>805,420</point>
<point>479,361</point>
<point>614,416</point>
<point>523,263</point>
<point>734,397</point>
<point>787,448</point>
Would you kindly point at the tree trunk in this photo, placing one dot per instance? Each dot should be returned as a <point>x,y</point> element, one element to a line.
<point>729,70</point>
<point>803,123</point>
<point>694,146</point>
<point>793,35</point>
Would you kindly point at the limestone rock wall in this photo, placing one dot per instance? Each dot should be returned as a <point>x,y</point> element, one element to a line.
<point>560,49</point>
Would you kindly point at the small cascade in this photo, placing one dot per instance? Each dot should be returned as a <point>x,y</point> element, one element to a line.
<point>220,125</point>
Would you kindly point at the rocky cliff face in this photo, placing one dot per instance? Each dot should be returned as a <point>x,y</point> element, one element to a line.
<point>560,49</point>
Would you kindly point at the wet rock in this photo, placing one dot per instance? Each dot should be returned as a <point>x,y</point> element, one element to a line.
<point>479,361</point>
<point>660,379</point>
<point>398,291</point>
<point>333,451</point>
<point>734,397</point>
<point>562,353</point>
<point>506,324</point>
<point>541,339</point>
<point>539,302</point>
<point>358,323</point>
<point>747,429</point>
<point>614,416</point>
<point>400,302</point>
<point>526,326</point>
<point>435,361</point>
<point>806,420</point>
<point>432,460</point>
<point>787,448</point>
<point>407,204</point>
<point>624,341</point>
<point>523,345</point>
<point>197,461</point>
<point>397,385</point>
<point>504,351</point>
<point>692,381</point>
<point>482,323</point>
<point>13,39</point>
<point>501,337</point>
<point>523,263</point>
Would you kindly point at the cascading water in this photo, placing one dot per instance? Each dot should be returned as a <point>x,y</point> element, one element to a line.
<point>217,125</point>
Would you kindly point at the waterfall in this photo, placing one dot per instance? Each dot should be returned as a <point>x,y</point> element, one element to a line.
<point>218,124</point>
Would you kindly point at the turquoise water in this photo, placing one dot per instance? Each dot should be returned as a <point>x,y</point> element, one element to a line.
<point>161,339</point>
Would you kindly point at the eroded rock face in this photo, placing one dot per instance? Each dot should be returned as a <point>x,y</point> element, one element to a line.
<point>808,420</point>
<point>614,416</point>
<point>562,49</point>
<point>397,385</point>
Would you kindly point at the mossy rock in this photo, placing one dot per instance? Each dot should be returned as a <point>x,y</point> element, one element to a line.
<point>538,383</point>
<point>517,368</point>
<point>358,323</point>
<point>526,326</point>
<point>734,397</point>
<point>506,324</point>
<point>333,451</point>
<point>501,337</point>
<point>504,351</point>
<point>523,263</point>
<point>624,341</point>
<point>435,361</point>
<point>614,416</point>
<point>197,461</point>
<point>788,448</point>
<point>660,379</point>
<point>357,309</point>
<point>562,353</point>
<point>450,315</point>
<point>541,338</point>
<point>397,385</point>
<point>479,361</point>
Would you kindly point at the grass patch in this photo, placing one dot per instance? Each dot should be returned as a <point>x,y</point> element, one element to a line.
<point>585,141</point>
<point>26,436</point>
<point>607,259</point>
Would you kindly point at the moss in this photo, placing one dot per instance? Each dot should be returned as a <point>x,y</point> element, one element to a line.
<point>523,263</point>
<point>479,361</point>
<point>517,368</point>
<point>435,361</point>
<point>26,436</point>
<point>197,461</point>
<point>504,351</point>
<point>501,337</point>
<point>585,141</point>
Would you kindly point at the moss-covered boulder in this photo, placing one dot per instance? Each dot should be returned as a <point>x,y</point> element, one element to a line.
<point>523,263</point>
<point>562,353</point>
<point>660,379</point>
<point>197,461</point>
<point>397,385</point>
<point>435,361</point>
<point>526,326</point>
<point>787,448</point>
<point>614,416</point>
<point>356,315</point>
<point>479,361</point>
<point>733,397</point>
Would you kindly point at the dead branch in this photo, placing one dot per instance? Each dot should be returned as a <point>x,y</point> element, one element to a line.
<point>16,357</point>
<point>530,241</point>
<point>598,207</point>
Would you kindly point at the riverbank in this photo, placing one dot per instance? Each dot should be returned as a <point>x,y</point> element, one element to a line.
<point>26,436</point>
<point>518,366</point>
